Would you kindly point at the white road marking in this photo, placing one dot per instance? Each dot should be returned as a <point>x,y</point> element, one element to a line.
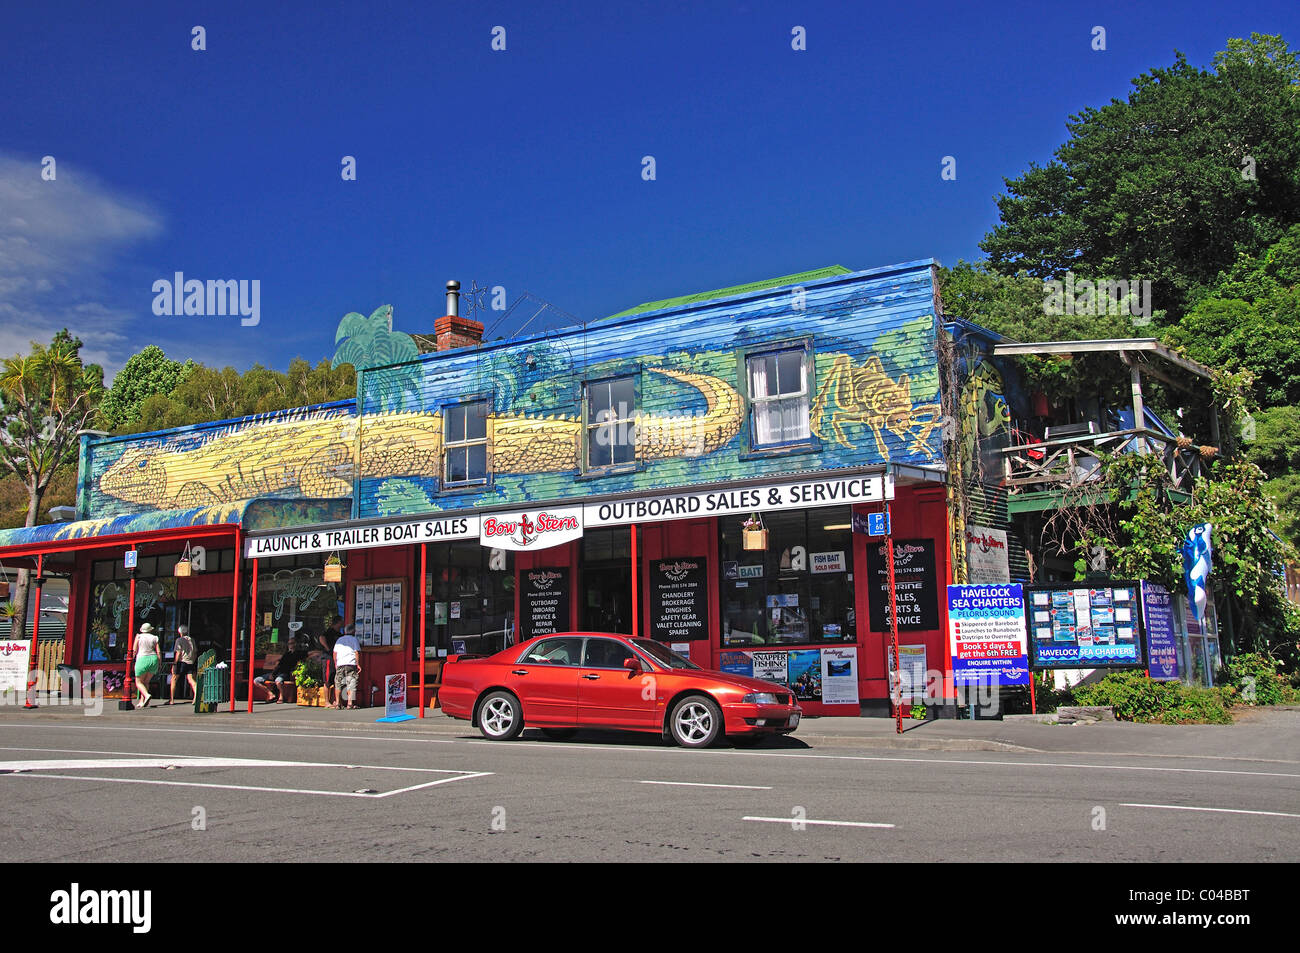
<point>174,761</point>
<point>701,784</point>
<point>800,820</point>
<point>251,787</point>
<point>1216,810</point>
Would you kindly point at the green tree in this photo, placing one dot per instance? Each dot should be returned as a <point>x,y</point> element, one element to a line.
<point>46,399</point>
<point>1159,186</point>
<point>145,373</point>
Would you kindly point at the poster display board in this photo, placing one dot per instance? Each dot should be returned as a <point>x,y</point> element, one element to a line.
<point>911,672</point>
<point>679,599</point>
<point>13,665</point>
<point>986,633</point>
<point>394,695</point>
<point>839,676</point>
<point>828,675</point>
<point>543,602</point>
<point>1085,626</point>
<point>1161,632</point>
<point>915,584</point>
<point>378,612</point>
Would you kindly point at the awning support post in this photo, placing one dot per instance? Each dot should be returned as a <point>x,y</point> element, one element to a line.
<point>424,602</point>
<point>234,622</point>
<point>636,606</point>
<point>36,630</point>
<point>252,628</point>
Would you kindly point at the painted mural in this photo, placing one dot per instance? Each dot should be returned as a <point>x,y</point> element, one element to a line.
<point>872,396</point>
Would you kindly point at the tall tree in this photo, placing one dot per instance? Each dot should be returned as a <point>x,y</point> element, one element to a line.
<point>1173,184</point>
<point>145,373</point>
<point>46,399</point>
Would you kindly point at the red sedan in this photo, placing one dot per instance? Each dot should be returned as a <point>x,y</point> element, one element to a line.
<point>560,683</point>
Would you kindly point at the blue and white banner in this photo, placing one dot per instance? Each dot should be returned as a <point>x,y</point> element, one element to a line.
<point>1197,555</point>
<point>986,629</point>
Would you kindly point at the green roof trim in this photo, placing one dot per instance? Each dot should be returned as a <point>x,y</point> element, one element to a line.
<point>832,271</point>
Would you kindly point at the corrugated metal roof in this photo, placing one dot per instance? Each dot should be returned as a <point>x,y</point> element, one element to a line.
<point>831,271</point>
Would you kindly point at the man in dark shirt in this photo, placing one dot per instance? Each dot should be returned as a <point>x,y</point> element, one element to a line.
<point>327,640</point>
<point>283,672</point>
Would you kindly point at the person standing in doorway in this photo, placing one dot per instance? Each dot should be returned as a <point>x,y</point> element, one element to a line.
<point>146,663</point>
<point>184,658</point>
<point>347,665</point>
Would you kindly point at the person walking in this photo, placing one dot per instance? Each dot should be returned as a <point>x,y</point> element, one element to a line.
<point>327,640</point>
<point>184,659</point>
<point>146,663</point>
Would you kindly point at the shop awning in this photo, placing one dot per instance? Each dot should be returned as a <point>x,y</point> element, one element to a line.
<point>168,524</point>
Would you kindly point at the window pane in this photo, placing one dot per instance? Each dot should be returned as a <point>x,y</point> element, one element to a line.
<point>623,398</point>
<point>762,375</point>
<point>566,651</point>
<point>622,451</point>
<point>598,395</point>
<point>476,421</point>
<point>794,418</point>
<point>478,462</point>
<point>599,450</point>
<point>789,372</point>
<point>455,424</point>
<point>456,465</point>
<point>606,653</point>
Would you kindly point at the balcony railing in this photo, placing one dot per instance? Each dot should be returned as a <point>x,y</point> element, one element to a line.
<point>1074,461</point>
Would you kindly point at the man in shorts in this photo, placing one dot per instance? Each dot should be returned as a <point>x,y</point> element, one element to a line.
<point>347,663</point>
<point>184,658</point>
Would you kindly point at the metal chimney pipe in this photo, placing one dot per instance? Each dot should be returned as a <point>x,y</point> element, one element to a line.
<point>453,298</point>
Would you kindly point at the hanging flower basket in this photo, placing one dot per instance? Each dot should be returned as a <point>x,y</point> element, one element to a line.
<point>333,571</point>
<point>184,567</point>
<point>754,533</point>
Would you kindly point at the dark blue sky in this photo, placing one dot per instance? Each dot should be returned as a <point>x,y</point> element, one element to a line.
<point>519,168</point>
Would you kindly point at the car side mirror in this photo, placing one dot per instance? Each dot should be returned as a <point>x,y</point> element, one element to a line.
<point>633,664</point>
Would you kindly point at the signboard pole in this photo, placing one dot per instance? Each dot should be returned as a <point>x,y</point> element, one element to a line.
<point>128,683</point>
<point>234,623</point>
<point>252,628</point>
<point>893,619</point>
<point>636,608</point>
<point>36,628</point>
<point>424,604</point>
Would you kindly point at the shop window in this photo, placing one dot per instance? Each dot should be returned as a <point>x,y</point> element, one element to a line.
<point>797,591</point>
<point>611,427</point>
<point>778,397</point>
<point>465,444</point>
<point>295,601</point>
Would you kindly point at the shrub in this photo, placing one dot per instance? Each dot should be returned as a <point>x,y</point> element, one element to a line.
<point>1253,679</point>
<point>1134,697</point>
<point>308,673</point>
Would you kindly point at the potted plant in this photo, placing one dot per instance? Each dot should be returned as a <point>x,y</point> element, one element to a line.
<point>333,571</point>
<point>307,679</point>
<point>753,533</point>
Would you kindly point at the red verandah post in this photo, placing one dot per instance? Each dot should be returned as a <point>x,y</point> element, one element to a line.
<point>893,618</point>
<point>636,608</point>
<point>424,601</point>
<point>252,631</point>
<point>33,672</point>
<point>234,623</point>
<point>128,683</point>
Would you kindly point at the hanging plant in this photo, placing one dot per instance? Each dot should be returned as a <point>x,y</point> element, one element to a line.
<point>754,533</point>
<point>333,571</point>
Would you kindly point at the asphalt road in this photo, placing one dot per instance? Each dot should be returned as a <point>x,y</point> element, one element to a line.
<point>204,790</point>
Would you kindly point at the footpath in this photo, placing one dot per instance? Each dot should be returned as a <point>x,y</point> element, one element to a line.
<point>1259,734</point>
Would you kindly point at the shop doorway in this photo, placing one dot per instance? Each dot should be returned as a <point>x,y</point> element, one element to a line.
<point>607,598</point>
<point>209,621</point>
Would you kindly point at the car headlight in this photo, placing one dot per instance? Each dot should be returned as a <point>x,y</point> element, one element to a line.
<point>759,698</point>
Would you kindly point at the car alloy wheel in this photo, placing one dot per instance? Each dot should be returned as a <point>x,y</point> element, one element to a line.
<point>500,717</point>
<point>695,722</point>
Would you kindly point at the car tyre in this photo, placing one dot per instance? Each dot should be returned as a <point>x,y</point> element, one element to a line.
<point>695,722</point>
<point>559,734</point>
<point>500,716</point>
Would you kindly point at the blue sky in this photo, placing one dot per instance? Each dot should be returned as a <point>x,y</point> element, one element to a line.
<point>520,168</point>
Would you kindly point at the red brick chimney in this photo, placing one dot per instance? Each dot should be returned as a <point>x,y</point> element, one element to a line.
<point>451,330</point>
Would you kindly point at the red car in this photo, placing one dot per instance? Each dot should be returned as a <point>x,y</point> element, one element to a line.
<point>560,683</point>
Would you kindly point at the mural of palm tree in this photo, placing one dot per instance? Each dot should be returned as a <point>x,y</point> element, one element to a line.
<point>368,343</point>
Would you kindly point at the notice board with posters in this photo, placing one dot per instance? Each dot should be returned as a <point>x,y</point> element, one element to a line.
<point>1085,625</point>
<point>543,602</point>
<point>915,584</point>
<point>679,599</point>
<point>379,612</point>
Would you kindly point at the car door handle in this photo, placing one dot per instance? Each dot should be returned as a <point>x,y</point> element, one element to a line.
<point>520,671</point>
<point>593,677</point>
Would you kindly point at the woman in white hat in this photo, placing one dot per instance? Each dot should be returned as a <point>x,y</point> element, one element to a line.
<point>146,663</point>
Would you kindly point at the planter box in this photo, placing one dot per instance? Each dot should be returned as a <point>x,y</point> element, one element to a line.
<point>755,539</point>
<point>312,697</point>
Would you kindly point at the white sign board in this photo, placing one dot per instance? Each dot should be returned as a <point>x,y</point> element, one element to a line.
<point>839,676</point>
<point>14,665</point>
<point>363,537</point>
<point>531,529</point>
<point>986,556</point>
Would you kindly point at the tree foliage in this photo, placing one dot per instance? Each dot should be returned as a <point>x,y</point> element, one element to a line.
<point>145,373</point>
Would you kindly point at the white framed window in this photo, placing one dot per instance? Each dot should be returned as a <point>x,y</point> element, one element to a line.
<point>778,397</point>
<point>464,444</point>
<point>611,428</point>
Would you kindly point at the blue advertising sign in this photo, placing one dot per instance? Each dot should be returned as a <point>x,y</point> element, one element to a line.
<point>1085,626</point>
<point>1161,631</point>
<point>871,524</point>
<point>736,663</point>
<point>986,630</point>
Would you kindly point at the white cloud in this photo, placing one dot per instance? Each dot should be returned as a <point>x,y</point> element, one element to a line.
<point>58,239</point>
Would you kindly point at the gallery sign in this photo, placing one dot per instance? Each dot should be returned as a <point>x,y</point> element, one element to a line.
<point>428,530</point>
<point>529,530</point>
<point>870,488</point>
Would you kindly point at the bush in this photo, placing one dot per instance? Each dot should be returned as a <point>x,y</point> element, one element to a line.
<point>1134,697</point>
<point>1253,679</point>
<point>308,673</point>
<point>1047,698</point>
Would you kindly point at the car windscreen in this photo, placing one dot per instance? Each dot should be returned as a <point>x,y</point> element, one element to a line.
<point>663,656</point>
